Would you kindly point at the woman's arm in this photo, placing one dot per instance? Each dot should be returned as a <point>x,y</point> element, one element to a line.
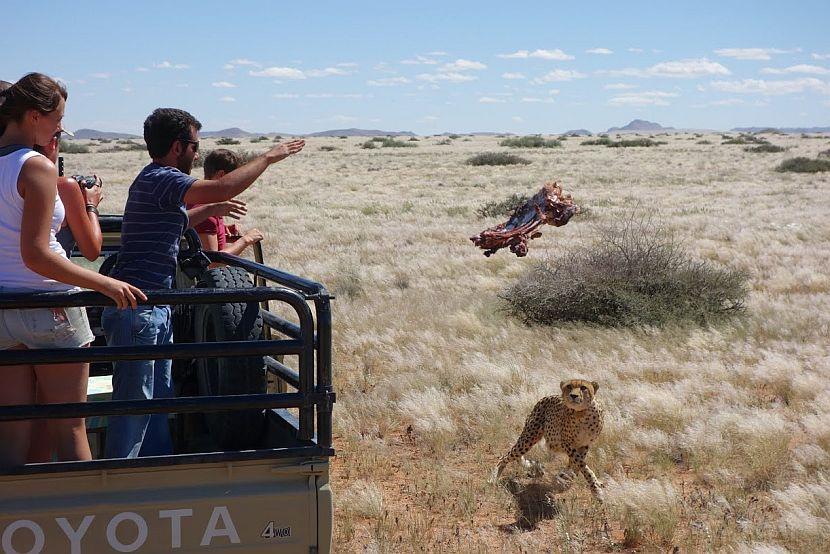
<point>248,239</point>
<point>83,224</point>
<point>37,185</point>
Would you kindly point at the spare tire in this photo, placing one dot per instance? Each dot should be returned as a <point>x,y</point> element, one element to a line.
<point>238,430</point>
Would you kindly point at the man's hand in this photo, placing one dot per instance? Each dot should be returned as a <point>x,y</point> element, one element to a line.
<point>252,237</point>
<point>231,208</point>
<point>282,151</point>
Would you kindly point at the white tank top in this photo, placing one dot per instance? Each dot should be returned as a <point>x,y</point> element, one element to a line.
<point>13,272</point>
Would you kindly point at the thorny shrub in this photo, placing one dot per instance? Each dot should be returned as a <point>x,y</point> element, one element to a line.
<point>636,272</point>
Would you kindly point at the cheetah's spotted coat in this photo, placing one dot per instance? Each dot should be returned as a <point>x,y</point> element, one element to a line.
<point>570,423</point>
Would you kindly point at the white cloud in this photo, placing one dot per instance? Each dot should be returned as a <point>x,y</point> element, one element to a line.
<point>463,65</point>
<point>344,119</point>
<point>513,76</point>
<point>646,98</point>
<point>279,72</point>
<point>772,88</point>
<point>419,60</point>
<point>168,65</point>
<point>688,68</point>
<point>749,53</point>
<point>517,119</point>
<point>491,100</point>
<point>553,91</point>
<point>286,95</point>
<point>347,64</point>
<point>635,50</point>
<point>450,77</point>
<point>533,99</point>
<point>684,69</point>
<point>599,51</point>
<point>327,72</point>
<point>223,84</point>
<point>559,75</point>
<point>388,82</point>
<point>228,99</point>
<point>619,86</point>
<point>141,69</point>
<point>800,68</point>
<point>183,85</point>
<point>243,61</point>
<point>556,54</point>
<point>128,90</point>
<point>820,56</point>
<point>430,118</point>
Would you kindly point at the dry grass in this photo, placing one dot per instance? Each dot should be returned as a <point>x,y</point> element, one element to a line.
<point>716,439</point>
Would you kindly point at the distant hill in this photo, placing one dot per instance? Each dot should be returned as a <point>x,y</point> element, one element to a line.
<point>233,132</point>
<point>578,132</point>
<point>639,125</point>
<point>89,134</point>
<point>359,133</point>
<point>782,129</point>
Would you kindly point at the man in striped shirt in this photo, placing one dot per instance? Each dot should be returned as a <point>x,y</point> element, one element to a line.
<point>154,220</point>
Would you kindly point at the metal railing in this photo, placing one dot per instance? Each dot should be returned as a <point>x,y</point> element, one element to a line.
<point>310,341</point>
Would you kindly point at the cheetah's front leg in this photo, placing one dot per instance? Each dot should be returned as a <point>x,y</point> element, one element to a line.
<point>577,462</point>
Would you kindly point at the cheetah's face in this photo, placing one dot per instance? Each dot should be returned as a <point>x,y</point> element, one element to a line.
<point>578,393</point>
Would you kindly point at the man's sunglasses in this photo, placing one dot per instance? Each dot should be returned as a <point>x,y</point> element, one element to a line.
<point>195,143</point>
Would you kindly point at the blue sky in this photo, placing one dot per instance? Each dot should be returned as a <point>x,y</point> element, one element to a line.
<point>429,67</point>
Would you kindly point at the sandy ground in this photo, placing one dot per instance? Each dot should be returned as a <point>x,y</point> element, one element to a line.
<point>716,438</point>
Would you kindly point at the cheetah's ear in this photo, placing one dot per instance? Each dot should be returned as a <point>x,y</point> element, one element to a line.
<point>595,385</point>
<point>562,385</point>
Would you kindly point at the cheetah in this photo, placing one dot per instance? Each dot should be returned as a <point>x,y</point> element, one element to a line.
<point>570,423</point>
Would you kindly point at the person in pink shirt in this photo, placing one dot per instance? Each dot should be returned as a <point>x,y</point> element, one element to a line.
<point>208,220</point>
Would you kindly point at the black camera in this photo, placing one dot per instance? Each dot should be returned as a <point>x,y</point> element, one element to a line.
<point>88,181</point>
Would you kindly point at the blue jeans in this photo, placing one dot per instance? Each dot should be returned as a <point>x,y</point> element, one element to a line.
<point>148,434</point>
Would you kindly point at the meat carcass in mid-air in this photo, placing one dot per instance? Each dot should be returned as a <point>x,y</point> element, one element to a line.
<point>548,206</point>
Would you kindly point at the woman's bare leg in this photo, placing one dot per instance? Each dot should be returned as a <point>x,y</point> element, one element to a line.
<point>42,444</point>
<point>17,386</point>
<point>62,383</point>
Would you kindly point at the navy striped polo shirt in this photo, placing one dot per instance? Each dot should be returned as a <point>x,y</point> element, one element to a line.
<point>154,220</point>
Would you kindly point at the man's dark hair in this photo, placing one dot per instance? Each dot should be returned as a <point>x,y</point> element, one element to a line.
<point>221,159</point>
<point>165,126</point>
<point>34,91</point>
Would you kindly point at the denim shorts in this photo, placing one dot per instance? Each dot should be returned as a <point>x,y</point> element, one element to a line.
<point>45,328</point>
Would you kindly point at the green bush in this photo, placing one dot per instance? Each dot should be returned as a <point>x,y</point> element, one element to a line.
<point>414,139</point>
<point>704,141</point>
<point>763,148</point>
<point>454,137</point>
<point>225,141</point>
<point>534,141</point>
<point>824,154</point>
<point>745,139</point>
<point>502,208</point>
<point>259,139</point>
<point>71,147</point>
<point>634,273</point>
<point>394,143</point>
<point>444,142</point>
<point>804,165</point>
<point>328,148</point>
<point>640,142</point>
<point>125,146</point>
<point>369,144</point>
<point>601,141</point>
<point>497,158</point>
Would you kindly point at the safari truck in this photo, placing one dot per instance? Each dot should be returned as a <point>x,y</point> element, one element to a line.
<point>251,422</point>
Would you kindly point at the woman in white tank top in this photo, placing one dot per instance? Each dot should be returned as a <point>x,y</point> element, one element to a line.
<point>31,111</point>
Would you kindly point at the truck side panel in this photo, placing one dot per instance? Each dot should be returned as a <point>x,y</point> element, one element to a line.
<point>241,507</point>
